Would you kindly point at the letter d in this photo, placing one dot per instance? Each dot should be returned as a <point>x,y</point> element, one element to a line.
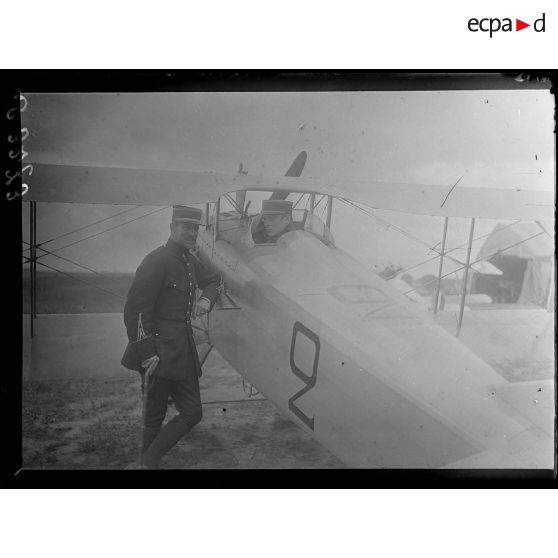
<point>537,21</point>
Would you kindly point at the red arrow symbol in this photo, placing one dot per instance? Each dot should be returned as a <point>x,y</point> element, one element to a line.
<point>519,25</point>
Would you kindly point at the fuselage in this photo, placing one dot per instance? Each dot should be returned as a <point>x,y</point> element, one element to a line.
<point>358,365</point>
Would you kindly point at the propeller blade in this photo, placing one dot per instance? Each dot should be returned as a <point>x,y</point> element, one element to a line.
<point>295,170</point>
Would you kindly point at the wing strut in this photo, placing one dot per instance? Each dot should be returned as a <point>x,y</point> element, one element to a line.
<point>464,291</point>
<point>551,287</point>
<point>442,252</point>
<point>33,262</point>
<point>329,208</point>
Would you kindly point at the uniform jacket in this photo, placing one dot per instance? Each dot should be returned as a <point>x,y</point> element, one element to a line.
<point>164,291</point>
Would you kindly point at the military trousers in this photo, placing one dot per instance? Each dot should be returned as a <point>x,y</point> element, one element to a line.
<point>185,394</point>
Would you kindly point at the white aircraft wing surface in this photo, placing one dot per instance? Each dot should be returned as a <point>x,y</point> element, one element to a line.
<point>134,186</point>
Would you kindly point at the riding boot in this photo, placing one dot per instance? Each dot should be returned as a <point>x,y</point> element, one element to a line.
<point>149,434</point>
<point>169,435</point>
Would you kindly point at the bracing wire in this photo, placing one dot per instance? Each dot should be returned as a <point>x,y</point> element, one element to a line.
<point>427,245</point>
<point>104,231</point>
<point>82,281</point>
<point>298,201</point>
<point>28,260</point>
<point>90,225</point>
<point>477,261</point>
<point>387,223</point>
<point>477,238</point>
<point>404,233</point>
<point>319,202</point>
<point>232,201</point>
<point>439,254</point>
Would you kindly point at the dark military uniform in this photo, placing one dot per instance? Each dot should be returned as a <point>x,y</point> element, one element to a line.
<point>163,292</point>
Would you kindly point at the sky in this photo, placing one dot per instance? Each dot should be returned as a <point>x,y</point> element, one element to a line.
<point>486,138</point>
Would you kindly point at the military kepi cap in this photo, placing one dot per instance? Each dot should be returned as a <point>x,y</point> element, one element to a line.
<point>185,214</point>
<point>276,207</point>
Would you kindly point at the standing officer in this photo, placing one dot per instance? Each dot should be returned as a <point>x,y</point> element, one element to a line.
<point>163,292</point>
<point>275,220</point>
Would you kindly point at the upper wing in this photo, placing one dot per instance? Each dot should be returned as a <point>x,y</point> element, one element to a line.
<point>127,186</point>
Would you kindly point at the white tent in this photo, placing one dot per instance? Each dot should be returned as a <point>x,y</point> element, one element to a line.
<point>525,246</point>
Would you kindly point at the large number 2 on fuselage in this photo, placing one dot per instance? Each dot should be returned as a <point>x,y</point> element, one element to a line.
<point>309,381</point>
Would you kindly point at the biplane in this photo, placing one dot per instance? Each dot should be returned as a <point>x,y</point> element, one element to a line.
<point>340,350</point>
<point>343,353</point>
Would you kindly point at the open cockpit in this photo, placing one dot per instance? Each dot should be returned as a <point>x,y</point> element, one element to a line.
<point>237,229</point>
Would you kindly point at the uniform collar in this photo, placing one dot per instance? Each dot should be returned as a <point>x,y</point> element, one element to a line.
<point>175,248</point>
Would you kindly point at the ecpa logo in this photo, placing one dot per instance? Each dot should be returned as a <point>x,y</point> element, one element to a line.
<point>494,24</point>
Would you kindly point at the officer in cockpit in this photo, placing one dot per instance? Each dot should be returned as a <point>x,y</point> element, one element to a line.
<point>275,219</point>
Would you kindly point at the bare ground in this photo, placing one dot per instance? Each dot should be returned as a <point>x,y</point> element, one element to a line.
<point>94,423</point>
<point>82,423</point>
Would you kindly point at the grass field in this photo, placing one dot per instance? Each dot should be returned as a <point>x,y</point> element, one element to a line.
<point>81,293</point>
<point>95,423</point>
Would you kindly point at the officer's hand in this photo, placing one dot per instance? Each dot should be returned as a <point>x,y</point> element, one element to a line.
<point>150,364</point>
<point>202,307</point>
